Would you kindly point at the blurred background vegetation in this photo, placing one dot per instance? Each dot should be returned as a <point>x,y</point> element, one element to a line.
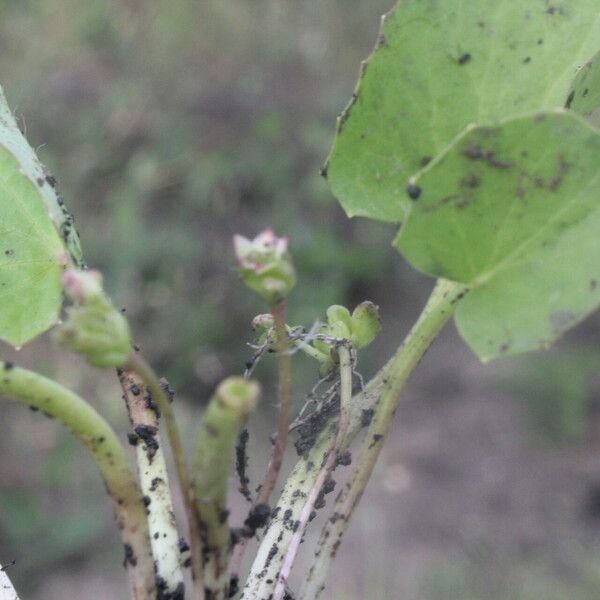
<point>172,125</point>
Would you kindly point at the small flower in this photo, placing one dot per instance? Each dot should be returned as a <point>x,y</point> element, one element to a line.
<point>265,265</point>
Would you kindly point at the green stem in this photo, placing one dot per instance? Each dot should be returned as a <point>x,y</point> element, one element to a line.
<point>154,482</point>
<point>306,471</point>
<point>144,371</point>
<point>310,350</point>
<point>436,313</point>
<point>7,591</point>
<point>90,428</point>
<point>284,368</point>
<point>298,485</point>
<point>234,399</point>
<point>287,559</point>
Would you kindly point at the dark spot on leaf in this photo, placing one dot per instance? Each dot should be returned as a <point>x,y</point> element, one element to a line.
<point>413,191</point>
<point>526,60</point>
<point>593,285</point>
<point>463,59</point>
<point>473,151</point>
<point>569,101</point>
<point>425,160</point>
<point>472,180</point>
<point>504,348</point>
<point>496,163</point>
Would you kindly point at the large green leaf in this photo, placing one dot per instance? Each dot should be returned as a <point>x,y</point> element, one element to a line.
<point>441,65</point>
<point>37,238</point>
<point>513,211</point>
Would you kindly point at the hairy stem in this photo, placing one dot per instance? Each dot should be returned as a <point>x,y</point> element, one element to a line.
<point>284,368</point>
<point>154,482</point>
<point>345,367</point>
<point>143,370</point>
<point>89,427</point>
<point>280,531</point>
<point>438,310</point>
<point>224,417</point>
<point>304,474</point>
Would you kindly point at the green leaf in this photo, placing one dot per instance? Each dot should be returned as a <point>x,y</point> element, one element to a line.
<point>513,211</point>
<point>584,97</point>
<point>440,65</point>
<point>35,234</point>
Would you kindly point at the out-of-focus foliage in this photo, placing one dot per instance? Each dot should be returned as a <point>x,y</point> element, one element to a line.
<point>170,126</point>
<point>558,389</point>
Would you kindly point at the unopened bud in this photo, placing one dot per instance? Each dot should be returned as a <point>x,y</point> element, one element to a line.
<point>93,326</point>
<point>263,322</point>
<point>265,265</point>
<point>82,286</point>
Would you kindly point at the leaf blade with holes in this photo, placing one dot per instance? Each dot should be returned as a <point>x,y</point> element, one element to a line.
<point>440,66</point>
<point>513,211</point>
<point>37,238</point>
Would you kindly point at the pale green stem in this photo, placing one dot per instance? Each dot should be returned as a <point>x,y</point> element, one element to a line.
<point>90,428</point>
<point>143,370</point>
<point>306,471</point>
<point>287,559</point>
<point>438,310</point>
<point>7,590</point>
<point>224,417</point>
<point>284,369</point>
<point>297,488</point>
<point>154,481</point>
<point>310,350</point>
